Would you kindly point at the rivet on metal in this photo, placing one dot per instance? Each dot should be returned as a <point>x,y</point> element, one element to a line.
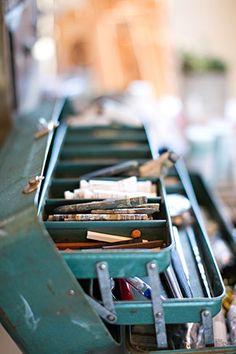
<point>102,266</point>
<point>206,313</point>
<point>32,184</point>
<point>152,265</point>
<point>111,318</point>
<point>158,315</point>
<point>71,292</point>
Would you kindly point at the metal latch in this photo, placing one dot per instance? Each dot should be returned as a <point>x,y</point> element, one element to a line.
<point>33,184</point>
<point>45,127</point>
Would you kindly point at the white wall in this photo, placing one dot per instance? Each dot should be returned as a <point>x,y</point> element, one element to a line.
<point>206,27</point>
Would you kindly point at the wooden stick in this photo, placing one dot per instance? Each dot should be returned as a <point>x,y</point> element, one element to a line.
<point>98,217</point>
<point>91,244</point>
<point>147,211</point>
<point>78,245</point>
<point>105,217</point>
<point>98,236</point>
<point>150,244</point>
<point>104,204</point>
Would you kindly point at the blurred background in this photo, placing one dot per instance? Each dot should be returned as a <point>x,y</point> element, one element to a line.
<point>175,59</point>
<point>178,56</point>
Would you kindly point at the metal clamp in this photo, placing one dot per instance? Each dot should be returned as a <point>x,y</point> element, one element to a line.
<point>157,305</point>
<point>207,323</point>
<point>104,281</point>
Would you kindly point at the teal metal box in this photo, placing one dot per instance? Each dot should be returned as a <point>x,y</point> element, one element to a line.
<point>41,294</point>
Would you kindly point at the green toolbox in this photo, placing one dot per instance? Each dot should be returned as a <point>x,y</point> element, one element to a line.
<point>66,193</point>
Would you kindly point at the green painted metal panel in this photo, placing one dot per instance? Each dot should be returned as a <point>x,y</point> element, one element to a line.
<point>102,152</point>
<point>68,168</point>
<point>121,264</point>
<point>74,139</point>
<point>107,128</point>
<point>22,158</point>
<point>175,311</point>
<point>40,297</point>
<point>43,307</point>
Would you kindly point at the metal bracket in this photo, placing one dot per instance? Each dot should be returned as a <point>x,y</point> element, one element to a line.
<point>104,281</point>
<point>207,323</point>
<point>101,310</point>
<point>157,306</point>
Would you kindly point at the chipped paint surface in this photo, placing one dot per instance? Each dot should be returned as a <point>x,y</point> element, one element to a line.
<point>87,327</point>
<point>30,320</point>
<point>81,323</point>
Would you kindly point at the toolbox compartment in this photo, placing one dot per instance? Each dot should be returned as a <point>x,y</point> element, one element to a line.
<point>130,263</point>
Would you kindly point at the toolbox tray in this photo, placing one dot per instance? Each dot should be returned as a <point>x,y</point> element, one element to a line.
<point>121,263</point>
<point>131,263</point>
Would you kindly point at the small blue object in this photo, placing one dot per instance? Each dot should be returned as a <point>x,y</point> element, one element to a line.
<point>140,286</point>
<point>147,293</point>
<point>162,150</point>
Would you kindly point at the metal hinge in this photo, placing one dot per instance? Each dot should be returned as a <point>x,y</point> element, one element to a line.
<point>101,310</point>
<point>33,184</point>
<point>44,128</point>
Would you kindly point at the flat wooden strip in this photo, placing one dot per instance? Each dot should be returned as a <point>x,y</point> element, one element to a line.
<point>149,205</point>
<point>145,245</point>
<point>91,235</point>
<point>147,211</point>
<point>104,204</point>
<point>58,217</point>
<point>78,245</point>
<point>94,244</point>
<point>105,217</point>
